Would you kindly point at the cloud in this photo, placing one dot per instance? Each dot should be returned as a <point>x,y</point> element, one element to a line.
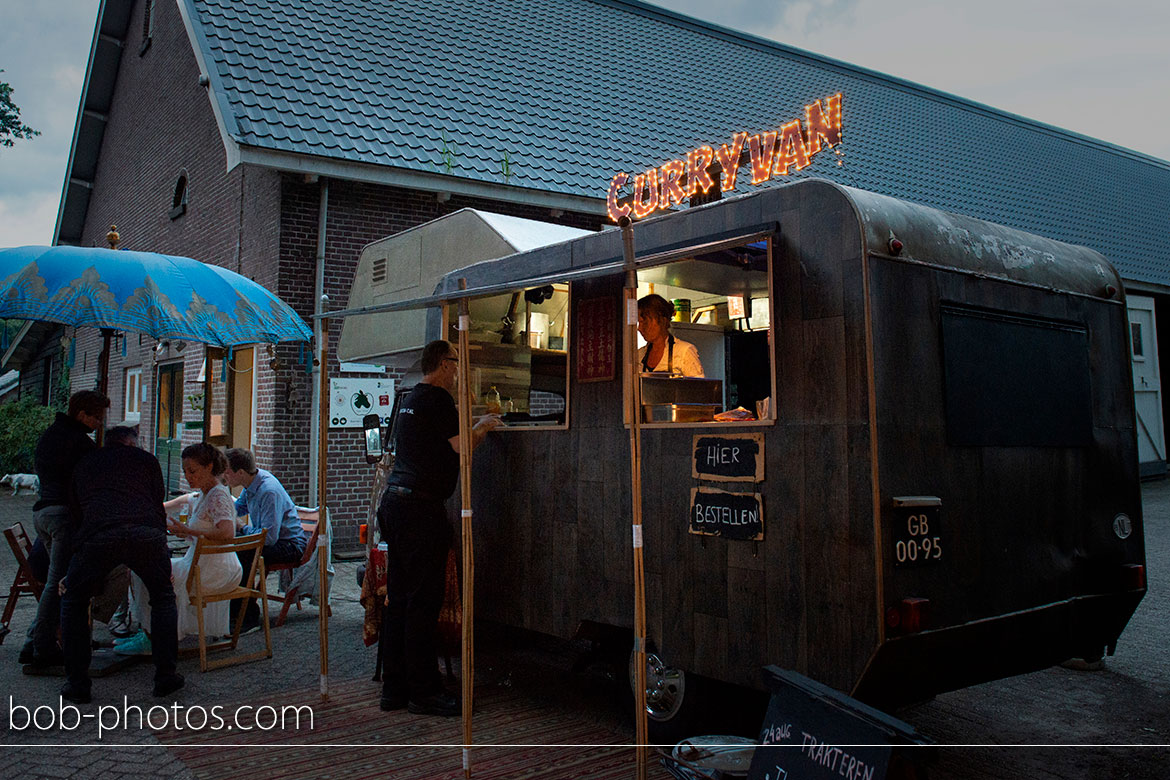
<point>30,218</point>
<point>44,49</point>
<point>745,15</point>
<point>1095,68</point>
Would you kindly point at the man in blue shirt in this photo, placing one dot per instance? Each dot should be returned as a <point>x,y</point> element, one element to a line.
<point>268,506</point>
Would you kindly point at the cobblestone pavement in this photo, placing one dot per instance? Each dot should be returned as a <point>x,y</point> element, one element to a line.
<point>1104,724</point>
<point>295,666</point>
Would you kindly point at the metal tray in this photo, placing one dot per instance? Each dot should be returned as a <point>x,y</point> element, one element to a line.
<point>679,412</point>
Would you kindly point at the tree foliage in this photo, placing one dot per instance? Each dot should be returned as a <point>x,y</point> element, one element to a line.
<point>10,124</point>
<point>21,424</point>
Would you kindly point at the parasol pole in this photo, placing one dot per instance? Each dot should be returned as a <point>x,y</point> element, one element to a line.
<point>464,390</point>
<point>103,379</point>
<point>324,547</point>
<point>633,396</point>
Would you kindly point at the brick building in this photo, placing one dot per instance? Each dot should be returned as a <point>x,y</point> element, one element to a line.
<point>277,139</point>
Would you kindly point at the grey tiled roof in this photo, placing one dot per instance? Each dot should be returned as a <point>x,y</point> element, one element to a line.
<point>571,91</point>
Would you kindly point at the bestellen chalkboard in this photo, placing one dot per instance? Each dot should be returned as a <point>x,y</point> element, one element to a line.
<point>732,457</point>
<point>730,515</point>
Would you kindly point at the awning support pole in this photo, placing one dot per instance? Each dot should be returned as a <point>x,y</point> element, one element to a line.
<point>465,444</point>
<point>324,547</point>
<point>633,396</point>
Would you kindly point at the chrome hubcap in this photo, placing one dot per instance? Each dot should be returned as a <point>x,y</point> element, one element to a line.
<point>665,687</point>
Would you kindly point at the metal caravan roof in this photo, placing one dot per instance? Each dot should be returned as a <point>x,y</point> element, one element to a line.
<point>928,236</point>
<point>407,265</point>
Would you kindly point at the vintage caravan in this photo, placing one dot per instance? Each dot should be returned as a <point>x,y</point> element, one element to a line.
<point>931,480</point>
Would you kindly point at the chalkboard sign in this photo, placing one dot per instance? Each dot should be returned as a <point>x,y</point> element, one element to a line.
<point>812,731</point>
<point>733,457</point>
<point>730,515</point>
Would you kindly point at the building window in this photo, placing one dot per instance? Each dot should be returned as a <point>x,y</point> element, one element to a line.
<point>133,395</point>
<point>147,24</point>
<point>47,381</point>
<point>722,308</point>
<point>517,354</point>
<point>1135,340</point>
<point>179,199</point>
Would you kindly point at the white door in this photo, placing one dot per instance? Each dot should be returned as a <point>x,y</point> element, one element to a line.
<point>1147,391</point>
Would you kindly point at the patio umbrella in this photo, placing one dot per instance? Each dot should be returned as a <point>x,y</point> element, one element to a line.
<point>163,296</point>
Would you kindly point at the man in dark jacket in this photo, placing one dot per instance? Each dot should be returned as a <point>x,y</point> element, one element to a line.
<point>119,494</point>
<point>60,447</point>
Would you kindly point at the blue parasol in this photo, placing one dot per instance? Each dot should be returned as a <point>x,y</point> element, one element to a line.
<point>164,296</point>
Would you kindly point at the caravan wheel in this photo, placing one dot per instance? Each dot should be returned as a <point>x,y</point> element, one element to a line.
<point>666,689</point>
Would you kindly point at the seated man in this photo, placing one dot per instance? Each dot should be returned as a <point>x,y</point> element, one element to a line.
<point>268,507</point>
<point>118,493</point>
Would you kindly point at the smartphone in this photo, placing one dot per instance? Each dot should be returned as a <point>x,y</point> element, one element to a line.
<point>372,424</point>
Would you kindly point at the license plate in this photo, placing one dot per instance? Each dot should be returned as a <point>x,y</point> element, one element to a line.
<point>917,536</point>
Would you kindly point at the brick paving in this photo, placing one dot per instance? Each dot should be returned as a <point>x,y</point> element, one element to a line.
<point>295,666</point>
<point>1105,724</point>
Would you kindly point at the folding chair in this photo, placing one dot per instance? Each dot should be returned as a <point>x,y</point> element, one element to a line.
<point>310,523</point>
<point>25,583</point>
<point>257,588</point>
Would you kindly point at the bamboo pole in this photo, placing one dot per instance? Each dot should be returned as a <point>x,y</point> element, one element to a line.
<point>324,548</point>
<point>465,444</point>
<point>633,396</point>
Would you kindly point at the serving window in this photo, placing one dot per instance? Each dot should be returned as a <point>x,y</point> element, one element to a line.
<point>722,306</point>
<point>517,355</point>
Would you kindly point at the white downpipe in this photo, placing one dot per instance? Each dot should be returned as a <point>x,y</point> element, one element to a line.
<point>318,291</point>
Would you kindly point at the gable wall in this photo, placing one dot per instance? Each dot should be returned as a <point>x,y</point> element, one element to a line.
<point>358,214</point>
<point>160,125</point>
<point>258,222</point>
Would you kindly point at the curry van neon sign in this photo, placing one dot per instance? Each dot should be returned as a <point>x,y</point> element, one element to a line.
<point>770,154</point>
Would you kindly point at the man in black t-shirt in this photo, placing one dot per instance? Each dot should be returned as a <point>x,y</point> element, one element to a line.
<point>413,519</point>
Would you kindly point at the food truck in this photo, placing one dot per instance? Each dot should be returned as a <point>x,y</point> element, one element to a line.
<point>910,465</point>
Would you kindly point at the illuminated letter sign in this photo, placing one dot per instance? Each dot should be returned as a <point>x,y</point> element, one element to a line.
<point>771,153</point>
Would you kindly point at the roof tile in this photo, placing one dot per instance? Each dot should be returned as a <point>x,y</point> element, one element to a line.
<point>571,92</point>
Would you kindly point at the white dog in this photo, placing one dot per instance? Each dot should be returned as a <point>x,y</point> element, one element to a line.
<point>21,481</point>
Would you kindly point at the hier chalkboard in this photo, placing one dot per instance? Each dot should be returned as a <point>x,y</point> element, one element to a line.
<point>733,457</point>
<point>730,515</point>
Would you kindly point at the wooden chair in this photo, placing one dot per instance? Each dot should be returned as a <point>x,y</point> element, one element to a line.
<point>257,588</point>
<point>310,523</point>
<point>25,583</point>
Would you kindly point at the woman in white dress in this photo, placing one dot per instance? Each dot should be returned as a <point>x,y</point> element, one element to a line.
<point>211,515</point>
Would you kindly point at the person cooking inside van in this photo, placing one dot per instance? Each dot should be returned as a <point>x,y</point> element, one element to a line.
<point>663,352</point>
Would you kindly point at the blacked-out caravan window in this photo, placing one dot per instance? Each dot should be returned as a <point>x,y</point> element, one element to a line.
<point>712,362</point>
<point>517,355</point>
<point>1015,381</point>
